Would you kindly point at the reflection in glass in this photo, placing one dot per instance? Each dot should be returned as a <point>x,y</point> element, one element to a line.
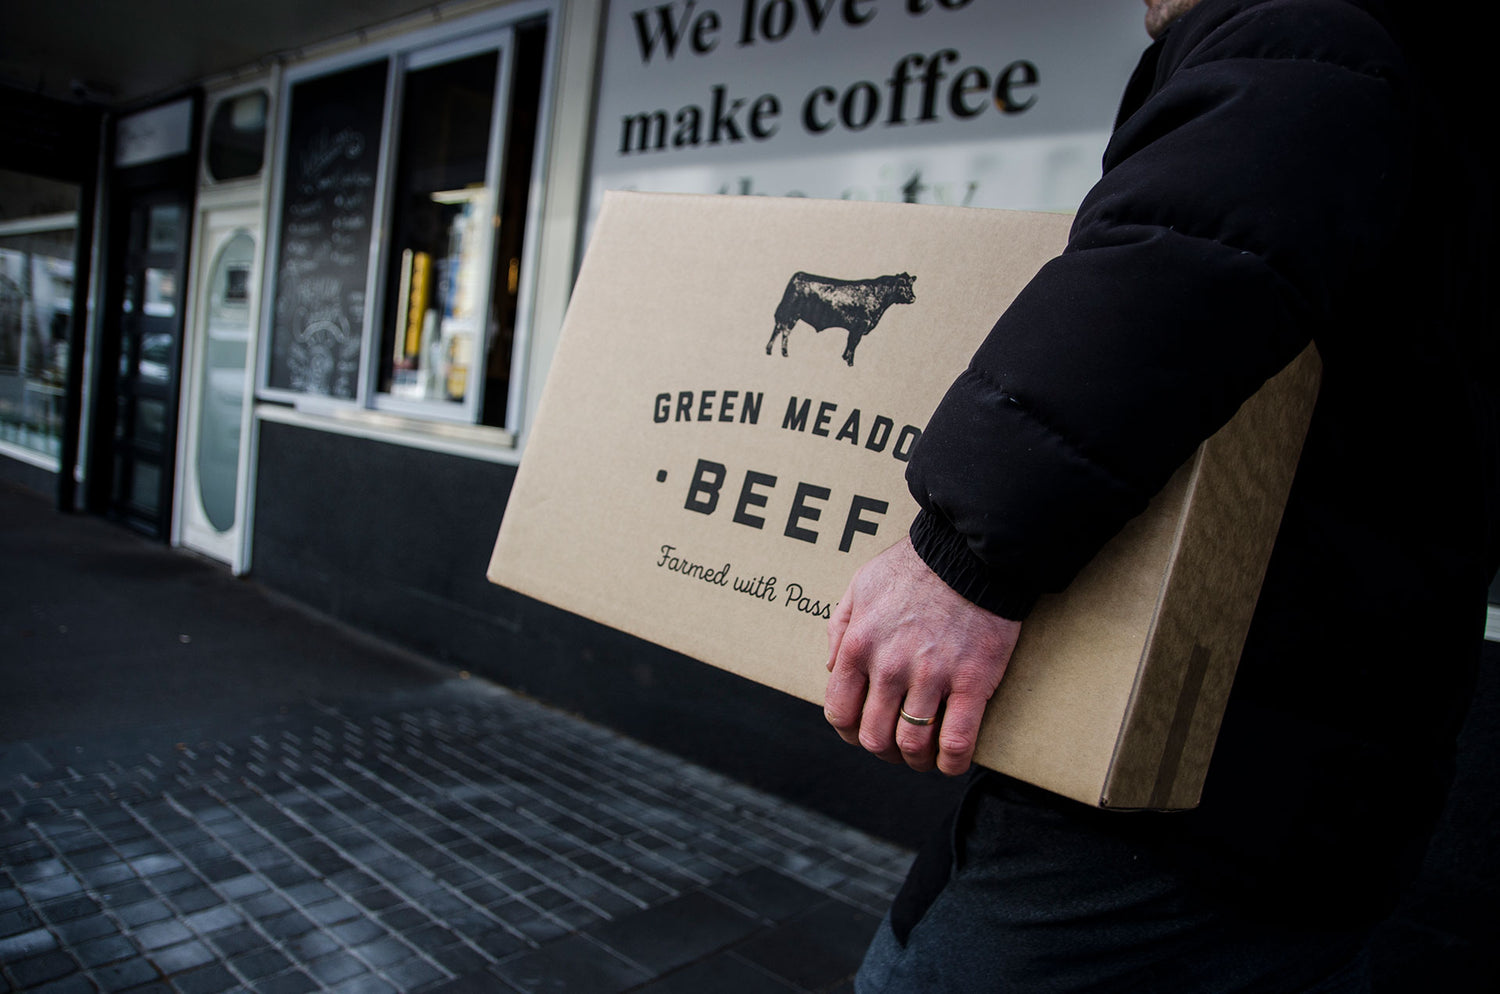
<point>161,293</point>
<point>222,388</point>
<point>36,313</point>
<point>150,421</point>
<point>145,486</point>
<point>237,137</point>
<point>164,229</point>
<point>442,230</point>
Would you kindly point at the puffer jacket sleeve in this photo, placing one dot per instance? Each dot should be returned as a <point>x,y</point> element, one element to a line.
<point>1239,203</point>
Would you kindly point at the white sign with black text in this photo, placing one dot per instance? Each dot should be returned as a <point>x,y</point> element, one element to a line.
<point>984,103</point>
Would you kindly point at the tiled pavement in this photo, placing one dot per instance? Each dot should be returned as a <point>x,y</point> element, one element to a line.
<point>463,839</point>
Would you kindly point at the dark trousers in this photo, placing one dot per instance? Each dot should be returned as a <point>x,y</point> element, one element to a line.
<point>1034,894</point>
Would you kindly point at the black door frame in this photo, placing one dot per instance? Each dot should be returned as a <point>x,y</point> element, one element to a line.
<point>164,181</point>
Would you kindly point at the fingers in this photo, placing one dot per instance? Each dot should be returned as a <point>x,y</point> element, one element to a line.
<point>844,701</point>
<point>959,733</point>
<point>838,624</point>
<point>918,740</point>
<point>877,725</point>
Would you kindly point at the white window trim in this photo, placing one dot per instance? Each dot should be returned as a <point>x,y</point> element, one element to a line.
<point>39,224</point>
<point>21,453</point>
<point>501,40</point>
<point>479,442</point>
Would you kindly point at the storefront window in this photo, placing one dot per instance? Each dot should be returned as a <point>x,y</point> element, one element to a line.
<point>426,312</point>
<point>36,313</point>
<point>441,231</point>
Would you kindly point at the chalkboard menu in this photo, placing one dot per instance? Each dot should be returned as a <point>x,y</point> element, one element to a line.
<point>323,255</point>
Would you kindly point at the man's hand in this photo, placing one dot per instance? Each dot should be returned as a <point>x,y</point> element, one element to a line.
<point>901,638</point>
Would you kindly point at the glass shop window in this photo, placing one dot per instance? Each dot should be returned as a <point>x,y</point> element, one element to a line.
<point>36,315</point>
<point>433,338</point>
<point>237,137</point>
<point>441,231</point>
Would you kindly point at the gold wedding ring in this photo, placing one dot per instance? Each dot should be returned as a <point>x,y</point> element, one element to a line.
<point>915,720</point>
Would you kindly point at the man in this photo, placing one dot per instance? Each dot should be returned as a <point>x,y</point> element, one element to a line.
<point>1282,171</point>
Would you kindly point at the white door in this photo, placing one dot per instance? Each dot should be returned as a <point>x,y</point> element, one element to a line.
<point>211,490</point>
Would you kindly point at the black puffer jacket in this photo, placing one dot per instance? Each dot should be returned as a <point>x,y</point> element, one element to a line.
<point>1280,172</point>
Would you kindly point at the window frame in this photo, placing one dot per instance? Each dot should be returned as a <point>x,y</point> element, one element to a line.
<point>502,41</point>
<point>423,48</point>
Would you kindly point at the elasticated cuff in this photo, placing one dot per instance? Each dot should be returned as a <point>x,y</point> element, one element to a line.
<point>948,555</point>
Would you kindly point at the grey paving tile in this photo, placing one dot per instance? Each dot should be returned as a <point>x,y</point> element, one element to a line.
<point>266,858</point>
<point>195,899</point>
<point>383,952</point>
<point>676,932</point>
<point>721,974</point>
<point>461,959</point>
<point>104,950</point>
<point>30,943</point>
<point>209,857</point>
<point>414,974</point>
<point>367,984</point>
<point>83,929</point>
<point>431,937</point>
<point>289,875</point>
<point>242,886</point>
<point>264,905</point>
<point>213,920</point>
<point>357,931</point>
<point>76,984</point>
<point>332,912</point>
<point>288,926</point>
<point>766,893</point>
<point>18,920</point>
<point>140,843</point>
<point>51,888</point>
<point>159,935</point>
<point>69,909</point>
<point>305,948</point>
<point>103,876</point>
<point>260,963</point>
<point>143,913</point>
<point>37,970</point>
<point>498,944</point>
<point>308,892</point>
<point>35,870</point>
<point>175,882</point>
<point>211,979</point>
<point>155,863</point>
<point>234,941</point>
<point>123,976</point>
<point>183,957</point>
<point>290,982</point>
<point>335,967</point>
<point>404,917</point>
<point>573,963</point>
<point>542,930</point>
<point>816,949</point>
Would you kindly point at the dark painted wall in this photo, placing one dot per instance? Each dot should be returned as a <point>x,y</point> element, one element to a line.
<point>396,540</point>
<point>24,474</point>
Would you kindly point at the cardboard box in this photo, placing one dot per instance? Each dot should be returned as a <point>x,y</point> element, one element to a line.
<point>707,470</point>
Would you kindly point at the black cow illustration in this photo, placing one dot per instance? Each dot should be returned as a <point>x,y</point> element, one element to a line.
<point>854,305</point>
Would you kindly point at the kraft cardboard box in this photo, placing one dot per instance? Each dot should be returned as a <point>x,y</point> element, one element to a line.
<point>723,438</point>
